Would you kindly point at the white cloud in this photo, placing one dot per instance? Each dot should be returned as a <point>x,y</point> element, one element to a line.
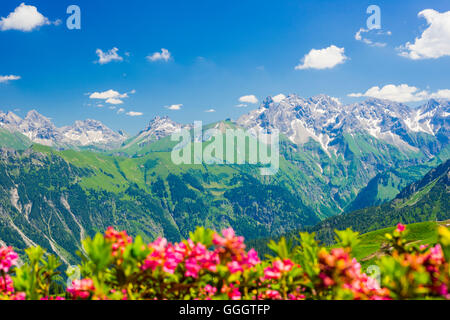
<point>358,34</point>
<point>323,59</point>
<point>121,110</point>
<point>441,94</point>
<point>5,79</point>
<point>359,37</point>
<point>107,57</point>
<point>134,114</point>
<point>434,41</point>
<point>24,18</point>
<point>400,93</point>
<point>109,94</point>
<point>174,107</point>
<point>114,101</point>
<point>210,110</point>
<point>249,99</point>
<point>278,98</point>
<point>241,105</point>
<point>112,108</point>
<point>157,56</point>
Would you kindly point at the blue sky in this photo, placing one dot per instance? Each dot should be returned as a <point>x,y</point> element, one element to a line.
<point>219,51</point>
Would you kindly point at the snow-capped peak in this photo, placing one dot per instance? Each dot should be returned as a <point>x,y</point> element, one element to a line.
<point>41,129</point>
<point>158,128</point>
<point>324,118</point>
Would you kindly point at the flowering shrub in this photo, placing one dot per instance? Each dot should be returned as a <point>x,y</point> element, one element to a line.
<point>416,272</point>
<point>217,266</point>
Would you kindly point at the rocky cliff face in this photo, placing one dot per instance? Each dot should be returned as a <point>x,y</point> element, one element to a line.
<point>40,129</point>
<point>325,120</point>
<point>337,149</point>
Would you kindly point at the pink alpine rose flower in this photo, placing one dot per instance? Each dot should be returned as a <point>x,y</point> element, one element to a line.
<point>8,258</point>
<point>400,228</point>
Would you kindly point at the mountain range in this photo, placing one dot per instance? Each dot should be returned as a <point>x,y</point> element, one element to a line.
<point>59,185</point>
<point>321,118</point>
<point>40,129</point>
<point>325,120</point>
<point>424,203</point>
<point>427,199</point>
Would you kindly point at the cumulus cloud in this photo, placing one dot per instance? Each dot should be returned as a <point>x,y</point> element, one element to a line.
<point>326,58</point>
<point>134,114</point>
<point>241,105</point>
<point>109,56</point>
<point>110,96</point>
<point>121,110</point>
<point>174,107</point>
<point>401,93</point>
<point>441,94</point>
<point>434,41</point>
<point>114,101</point>
<point>5,79</point>
<point>249,99</point>
<point>359,36</point>
<point>278,98</point>
<point>210,110</point>
<point>164,55</point>
<point>24,18</point>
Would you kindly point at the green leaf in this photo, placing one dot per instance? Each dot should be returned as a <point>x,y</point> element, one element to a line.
<point>347,238</point>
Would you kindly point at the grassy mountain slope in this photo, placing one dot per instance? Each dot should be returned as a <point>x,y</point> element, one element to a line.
<point>331,181</point>
<point>56,198</point>
<point>385,186</point>
<point>425,200</point>
<point>328,178</point>
<point>13,140</point>
<point>373,244</point>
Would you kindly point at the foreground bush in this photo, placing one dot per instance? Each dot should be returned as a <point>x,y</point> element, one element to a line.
<point>217,266</point>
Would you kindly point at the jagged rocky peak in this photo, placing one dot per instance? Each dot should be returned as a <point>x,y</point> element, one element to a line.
<point>91,132</point>
<point>436,107</point>
<point>90,124</point>
<point>158,122</point>
<point>320,104</point>
<point>381,106</point>
<point>157,129</point>
<point>9,118</point>
<point>41,129</point>
<point>324,118</point>
<point>35,116</point>
<point>325,100</point>
<point>160,127</point>
<point>123,134</point>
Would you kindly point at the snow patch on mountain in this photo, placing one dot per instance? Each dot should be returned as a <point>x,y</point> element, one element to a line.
<point>40,129</point>
<point>158,128</point>
<point>324,119</point>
